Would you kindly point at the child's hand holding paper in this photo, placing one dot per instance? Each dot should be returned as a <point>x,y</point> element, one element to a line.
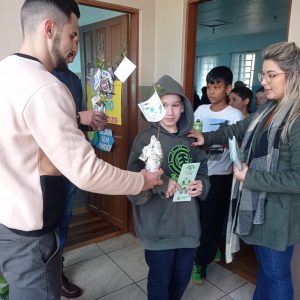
<point>173,186</point>
<point>194,188</point>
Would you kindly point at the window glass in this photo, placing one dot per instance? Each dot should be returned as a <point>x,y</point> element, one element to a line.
<point>242,66</point>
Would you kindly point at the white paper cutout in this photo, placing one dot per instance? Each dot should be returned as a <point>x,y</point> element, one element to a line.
<point>152,155</point>
<point>153,108</point>
<point>125,68</point>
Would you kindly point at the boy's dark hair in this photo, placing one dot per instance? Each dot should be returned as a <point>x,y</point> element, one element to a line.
<point>244,93</point>
<point>218,75</point>
<point>239,83</point>
<point>33,12</point>
<point>261,89</point>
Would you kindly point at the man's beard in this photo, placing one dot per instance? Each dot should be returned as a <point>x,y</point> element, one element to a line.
<point>60,61</point>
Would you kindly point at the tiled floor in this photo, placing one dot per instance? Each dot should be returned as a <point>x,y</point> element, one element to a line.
<point>115,269</point>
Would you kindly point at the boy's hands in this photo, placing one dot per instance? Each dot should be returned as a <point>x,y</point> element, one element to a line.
<point>151,179</point>
<point>172,187</point>
<point>198,136</point>
<point>194,188</point>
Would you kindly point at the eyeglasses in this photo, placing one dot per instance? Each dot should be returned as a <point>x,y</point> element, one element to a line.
<point>268,77</point>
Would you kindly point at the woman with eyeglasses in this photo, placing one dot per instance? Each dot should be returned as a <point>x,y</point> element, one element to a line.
<point>265,200</point>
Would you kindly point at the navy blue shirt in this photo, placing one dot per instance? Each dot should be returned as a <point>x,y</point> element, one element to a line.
<point>72,81</point>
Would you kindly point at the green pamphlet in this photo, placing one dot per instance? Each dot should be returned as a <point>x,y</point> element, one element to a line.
<point>187,174</point>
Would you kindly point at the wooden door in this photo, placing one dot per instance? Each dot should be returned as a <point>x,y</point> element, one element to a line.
<point>105,39</point>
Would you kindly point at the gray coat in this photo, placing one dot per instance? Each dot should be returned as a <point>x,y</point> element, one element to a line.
<point>282,210</point>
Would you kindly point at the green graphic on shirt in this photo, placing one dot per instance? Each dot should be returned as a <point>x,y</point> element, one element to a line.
<point>178,156</point>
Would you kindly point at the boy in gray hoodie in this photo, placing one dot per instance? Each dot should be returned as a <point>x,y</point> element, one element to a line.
<point>169,230</point>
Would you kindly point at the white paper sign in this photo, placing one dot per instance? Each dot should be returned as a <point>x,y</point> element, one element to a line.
<point>125,68</point>
<point>153,108</point>
<point>187,174</point>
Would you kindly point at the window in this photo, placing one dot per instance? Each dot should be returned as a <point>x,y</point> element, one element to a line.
<point>203,65</point>
<point>242,66</point>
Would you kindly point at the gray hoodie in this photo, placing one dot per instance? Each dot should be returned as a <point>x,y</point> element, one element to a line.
<point>159,222</point>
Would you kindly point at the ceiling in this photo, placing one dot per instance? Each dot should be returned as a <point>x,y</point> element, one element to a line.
<point>89,14</point>
<point>228,18</point>
<point>220,18</point>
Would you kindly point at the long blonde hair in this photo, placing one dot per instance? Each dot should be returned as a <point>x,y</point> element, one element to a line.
<point>287,56</point>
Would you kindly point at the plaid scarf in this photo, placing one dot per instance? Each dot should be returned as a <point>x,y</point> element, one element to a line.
<point>247,206</point>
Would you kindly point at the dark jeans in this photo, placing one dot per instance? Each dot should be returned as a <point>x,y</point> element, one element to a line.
<point>274,280</point>
<point>169,272</point>
<point>212,213</point>
<point>67,218</point>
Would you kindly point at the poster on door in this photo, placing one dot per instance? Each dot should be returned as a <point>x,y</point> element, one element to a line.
<point>113,104</point>
<point>102,88</point>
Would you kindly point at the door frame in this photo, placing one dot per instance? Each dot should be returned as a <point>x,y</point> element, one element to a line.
<point>133,55</point>
<point>190,44</point>
<point>190,47</point>
<point>132,81</point>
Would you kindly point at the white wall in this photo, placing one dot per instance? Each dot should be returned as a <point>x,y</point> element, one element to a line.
<point>169,38</point>
<point>294,35</point>
<point>10,27</point>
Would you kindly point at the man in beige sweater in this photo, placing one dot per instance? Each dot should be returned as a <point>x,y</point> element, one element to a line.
<point>40,141</point>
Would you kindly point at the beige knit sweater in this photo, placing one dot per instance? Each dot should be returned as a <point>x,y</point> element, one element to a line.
<point>39,138</point>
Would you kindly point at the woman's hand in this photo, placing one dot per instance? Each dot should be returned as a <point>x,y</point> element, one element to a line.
<point>194,188</point>
<point>172,187</point>
<point>240,175</point>
<point>198,136</point>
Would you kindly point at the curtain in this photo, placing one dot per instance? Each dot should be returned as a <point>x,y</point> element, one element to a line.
<point>203,65</point>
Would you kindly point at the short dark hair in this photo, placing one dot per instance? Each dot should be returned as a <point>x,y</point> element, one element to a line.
<point>219,74</point>
<point>261,89</point>
<point>65,6</point>
<point>204,90</point>
<point>33,12</point>
<point>239,83</point>
<point>244,93</point>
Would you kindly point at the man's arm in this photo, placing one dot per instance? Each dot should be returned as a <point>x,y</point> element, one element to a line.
<point>53,126</point>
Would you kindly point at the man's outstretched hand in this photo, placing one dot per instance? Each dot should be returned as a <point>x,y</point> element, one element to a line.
<point>151,179</point>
